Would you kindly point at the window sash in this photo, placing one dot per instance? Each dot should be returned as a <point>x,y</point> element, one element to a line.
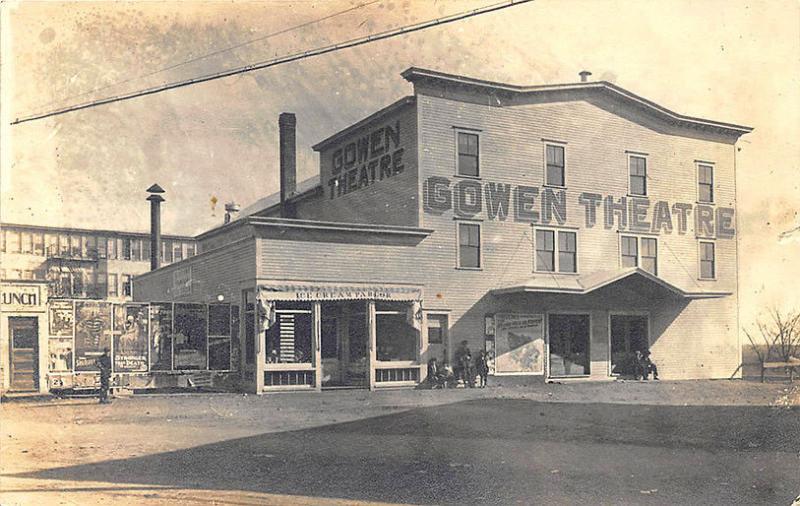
<point>468,154</point>
<point>630,251</point>
<point>545,250</point>
<point>638,175</point>
<point>555,165</point>
<point>469,249</point>
<point>707,260</point>
<point>567,252</point>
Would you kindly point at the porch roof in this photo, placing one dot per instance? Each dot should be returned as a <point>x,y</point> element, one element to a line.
<point>587,283</point>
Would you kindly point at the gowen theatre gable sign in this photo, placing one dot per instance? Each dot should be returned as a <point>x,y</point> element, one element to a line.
<point>531,204</point>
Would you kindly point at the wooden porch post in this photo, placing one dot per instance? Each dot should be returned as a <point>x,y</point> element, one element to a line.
<point>372,334</point>
<point>316,318</point>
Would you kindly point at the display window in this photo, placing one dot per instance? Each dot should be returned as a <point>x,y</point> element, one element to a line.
<point>396,339</point>
<point>289,338</point>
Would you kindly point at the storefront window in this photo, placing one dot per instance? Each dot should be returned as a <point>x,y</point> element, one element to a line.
<point>289,338</point>
<point>219,337</point>
<point>330,338</point>
<point>160,337</point>
<point>569,344</point>
<point>395,338</point>
<point>189,336</point>
<point>249,328</point>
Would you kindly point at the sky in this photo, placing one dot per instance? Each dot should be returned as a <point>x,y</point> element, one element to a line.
<point>729,60</point>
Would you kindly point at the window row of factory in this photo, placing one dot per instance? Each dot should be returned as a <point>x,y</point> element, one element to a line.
<point>556,168</point>
<point>556,251</point>
<point>85,246</point>
<point>76,282</point>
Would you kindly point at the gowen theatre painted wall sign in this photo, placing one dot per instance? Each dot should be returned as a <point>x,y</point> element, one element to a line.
<point>531,204</point>
<point>373,157</point>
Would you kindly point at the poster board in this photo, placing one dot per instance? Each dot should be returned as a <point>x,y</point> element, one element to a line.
<point>519,341</point>
<point>92,333</point>
<point>131,324</point>
<point>61,317</point>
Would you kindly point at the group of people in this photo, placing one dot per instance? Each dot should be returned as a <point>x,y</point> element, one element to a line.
<point>466,370</point>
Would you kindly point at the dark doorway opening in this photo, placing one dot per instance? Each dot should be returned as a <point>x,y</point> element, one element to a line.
<point>568,344</point>
<point>24,339</point>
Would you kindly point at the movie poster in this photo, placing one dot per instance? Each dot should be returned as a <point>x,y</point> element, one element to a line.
<point>161,336</point>
<point>130,337</point>
<point>519,343</point>
<point>61,318</point>
<point>60,351</point>
<point>190,336</point>
<point>92,333</point>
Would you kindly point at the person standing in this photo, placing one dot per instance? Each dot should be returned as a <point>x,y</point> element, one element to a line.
<point>482,367</point>
<point>104,363</point>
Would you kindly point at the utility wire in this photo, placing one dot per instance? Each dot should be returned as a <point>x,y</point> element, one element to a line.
<point>277,61</point>
<point>215,53</point>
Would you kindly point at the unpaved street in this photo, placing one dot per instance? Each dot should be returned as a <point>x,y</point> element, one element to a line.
<point>622,443</point>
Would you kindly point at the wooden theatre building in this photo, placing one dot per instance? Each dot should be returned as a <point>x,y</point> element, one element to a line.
<point>560,227</point>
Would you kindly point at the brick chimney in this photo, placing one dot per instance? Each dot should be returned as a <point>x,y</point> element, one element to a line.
<point>288,160</point>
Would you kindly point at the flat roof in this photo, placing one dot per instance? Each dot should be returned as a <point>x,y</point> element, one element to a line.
<point>97,231</point>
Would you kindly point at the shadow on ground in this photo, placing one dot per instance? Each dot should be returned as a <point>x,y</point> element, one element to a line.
<point>489,451</point>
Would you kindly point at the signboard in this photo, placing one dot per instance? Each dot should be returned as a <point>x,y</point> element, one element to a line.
<point>161,336</point>
<point>182,281</point>
<point>62,318</point>
<point>92,333</point>
<point>531,204</point>
<point>21,297</point>
<point>131,322</point>
<point>334,291</point>
<point>519,343</point>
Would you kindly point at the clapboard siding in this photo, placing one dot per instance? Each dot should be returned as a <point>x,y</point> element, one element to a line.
<point>391,200</point>
<point>512,152</point>
<point>223,271</point>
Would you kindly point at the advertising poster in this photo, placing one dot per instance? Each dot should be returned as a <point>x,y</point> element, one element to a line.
<point>190,336</point>
<point>61,318</point>
<point>130,337</point>
<point>60,350</point>
<point>92,333</point>
<point>161,337</point>
<point>519,343</point>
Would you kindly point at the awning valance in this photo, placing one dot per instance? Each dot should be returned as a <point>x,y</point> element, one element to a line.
<point>582,285</point>
<point>321,291</point>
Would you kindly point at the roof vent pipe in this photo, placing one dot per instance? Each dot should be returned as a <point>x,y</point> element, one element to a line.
<point>288,160</point>
<point>231,208</point>
<point>584,75</point>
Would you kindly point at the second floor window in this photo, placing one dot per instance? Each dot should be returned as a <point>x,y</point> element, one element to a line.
<point>639,252</point>
<point>552,259</point>
<point>469,245</point>
<point>707,261</point>
<point>468,154</point>
<point>127,285</point>
<point>638,175</point>
<point>112,285</point>
<point>705,183</point>
<point>555,169</point>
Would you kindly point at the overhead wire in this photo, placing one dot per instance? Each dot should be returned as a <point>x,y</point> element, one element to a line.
<point>213,53</point>
<point>277,61</point>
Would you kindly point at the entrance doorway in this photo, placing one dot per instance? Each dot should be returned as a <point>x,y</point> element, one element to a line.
<point>24,339</point>
<point>629,334</point>
<point>344,344</point>
<point>568,344</point>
